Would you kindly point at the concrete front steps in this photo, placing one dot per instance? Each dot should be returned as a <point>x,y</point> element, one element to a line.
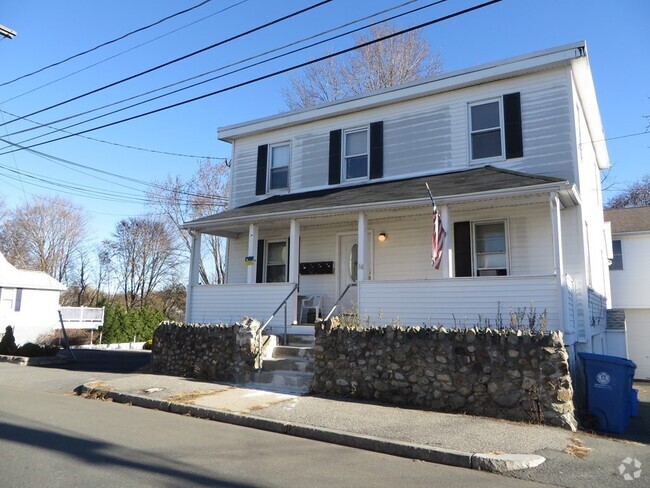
<point>290,368</point>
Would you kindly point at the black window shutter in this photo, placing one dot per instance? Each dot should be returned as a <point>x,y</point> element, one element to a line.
<point>376,150</point>
<point>288,257</point>
<point>260,261</point>
<point>462,249</point>
<point>335,158</point>
<point>262,156</point>
<point>512,115</point>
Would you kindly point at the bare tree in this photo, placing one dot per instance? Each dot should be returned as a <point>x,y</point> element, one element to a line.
<point>144,257</point>
<point>179,201</point>
<point>636,194</point>
<point>46,234</point>
<point>391,62</point>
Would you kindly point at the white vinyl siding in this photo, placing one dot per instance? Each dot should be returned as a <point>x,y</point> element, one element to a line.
<point>458,302</point>
<point>638,338</point>
<point>229,303</point>
<point>427,135</point>
<point>629,285</point>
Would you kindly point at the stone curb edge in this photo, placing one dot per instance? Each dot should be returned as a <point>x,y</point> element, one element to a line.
<point>497,463</point>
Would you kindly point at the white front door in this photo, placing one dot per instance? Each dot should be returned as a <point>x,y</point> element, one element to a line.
<point>347,271</point>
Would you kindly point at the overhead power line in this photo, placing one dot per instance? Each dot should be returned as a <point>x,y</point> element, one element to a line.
<point>104,44</point>
<point>133,48</point>
<point>156,186</point>
<point>328,39</point>
<point>263,77</point>
<point>176,60</point>
<point>104,141</point>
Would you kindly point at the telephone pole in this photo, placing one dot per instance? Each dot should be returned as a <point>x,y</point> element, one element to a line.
<point>7,32</point>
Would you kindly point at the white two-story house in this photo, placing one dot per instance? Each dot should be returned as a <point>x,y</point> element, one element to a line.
<point>331,202</point>
<point>629,276</point>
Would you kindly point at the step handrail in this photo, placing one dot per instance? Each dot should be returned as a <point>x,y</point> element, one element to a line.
<point>268,321</point>
<point>339,300</point>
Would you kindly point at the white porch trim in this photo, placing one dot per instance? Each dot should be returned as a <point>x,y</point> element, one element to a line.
<point>194,271</point>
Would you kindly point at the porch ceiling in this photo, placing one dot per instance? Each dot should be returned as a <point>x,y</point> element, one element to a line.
<point>452,187</point>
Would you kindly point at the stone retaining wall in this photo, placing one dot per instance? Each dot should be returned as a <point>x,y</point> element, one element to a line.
<point>215,352</point>
<point>504,374</point>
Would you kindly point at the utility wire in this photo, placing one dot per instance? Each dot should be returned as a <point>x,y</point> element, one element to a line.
<point>104,141</point>
<point>182,58</point>
<point>221,68</point>
<point>137,46</point>
<point>149,184</point>
<point>264,77</point>
<point>39,126</point>
<point>105,43</point>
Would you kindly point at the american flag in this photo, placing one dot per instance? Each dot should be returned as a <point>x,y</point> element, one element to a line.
<point>438,239</point>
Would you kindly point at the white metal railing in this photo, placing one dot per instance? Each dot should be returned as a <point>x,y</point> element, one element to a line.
<point>91,316</point>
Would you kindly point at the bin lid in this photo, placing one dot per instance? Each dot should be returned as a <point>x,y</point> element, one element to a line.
<point>607,359</point>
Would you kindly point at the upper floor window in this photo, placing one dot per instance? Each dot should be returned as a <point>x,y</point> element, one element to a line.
<point>617,259</point>
<point>355,152</point>
<point>279,156</point>
<point>486,130</point>
<point>495,129</point>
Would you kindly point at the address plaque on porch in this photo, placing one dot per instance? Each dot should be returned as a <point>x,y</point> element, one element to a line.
<point>317,268</point>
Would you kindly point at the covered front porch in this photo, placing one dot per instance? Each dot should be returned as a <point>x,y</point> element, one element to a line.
<point>503,259</point>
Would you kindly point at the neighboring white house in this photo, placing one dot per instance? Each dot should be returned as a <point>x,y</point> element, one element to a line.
<point>29,302</point>
<point>629,274</point>
<point>335,195</point>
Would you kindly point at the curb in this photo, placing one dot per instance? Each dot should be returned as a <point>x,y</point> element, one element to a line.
<point>39,361</point>
<point>497,462</point>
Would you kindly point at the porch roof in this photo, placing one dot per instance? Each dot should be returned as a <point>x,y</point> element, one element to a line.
<point>451,187</point>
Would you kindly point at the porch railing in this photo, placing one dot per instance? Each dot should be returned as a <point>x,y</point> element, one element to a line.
<point>338,302</point>
<point>260,331</point>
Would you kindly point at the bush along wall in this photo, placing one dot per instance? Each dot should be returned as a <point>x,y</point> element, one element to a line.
<point>215,352</point>
<point>506,374</point>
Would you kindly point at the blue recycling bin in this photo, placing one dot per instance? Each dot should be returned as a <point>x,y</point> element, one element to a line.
<point>609,390</point>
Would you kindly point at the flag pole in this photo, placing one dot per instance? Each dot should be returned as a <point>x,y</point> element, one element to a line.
<point>433,202</point>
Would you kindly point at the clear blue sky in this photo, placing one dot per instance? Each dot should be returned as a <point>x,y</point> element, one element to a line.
<point>617,33</point>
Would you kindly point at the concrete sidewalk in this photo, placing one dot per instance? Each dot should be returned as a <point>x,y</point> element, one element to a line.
<point>459,440</point>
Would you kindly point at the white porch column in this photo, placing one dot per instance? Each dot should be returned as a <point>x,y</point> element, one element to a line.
<point>252,251</point>
<point>447,264</point>
<point>556,224</point>
<point>194,273</point>
<point>362,248</point>
<point>294,263</point>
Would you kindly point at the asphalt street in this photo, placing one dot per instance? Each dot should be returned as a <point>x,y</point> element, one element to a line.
<point>56,439</point>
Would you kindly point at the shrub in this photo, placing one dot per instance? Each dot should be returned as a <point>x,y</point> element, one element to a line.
<point>32,350</point>
<point>148,345</point>
<point>8,342</point>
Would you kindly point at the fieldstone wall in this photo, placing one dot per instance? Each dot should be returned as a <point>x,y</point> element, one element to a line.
<point>504,374</point>
<point>215,352</point>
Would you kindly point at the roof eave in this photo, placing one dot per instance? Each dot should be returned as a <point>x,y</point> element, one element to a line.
<point>561,55</point>
<point>568,195</point>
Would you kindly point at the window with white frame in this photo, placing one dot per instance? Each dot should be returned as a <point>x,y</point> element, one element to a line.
<point>486,130</point>
<point>490,249</point>
<point>617,255</point>
<point>276,262</point>
<point>279,157</point>
<point>355,154</point>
